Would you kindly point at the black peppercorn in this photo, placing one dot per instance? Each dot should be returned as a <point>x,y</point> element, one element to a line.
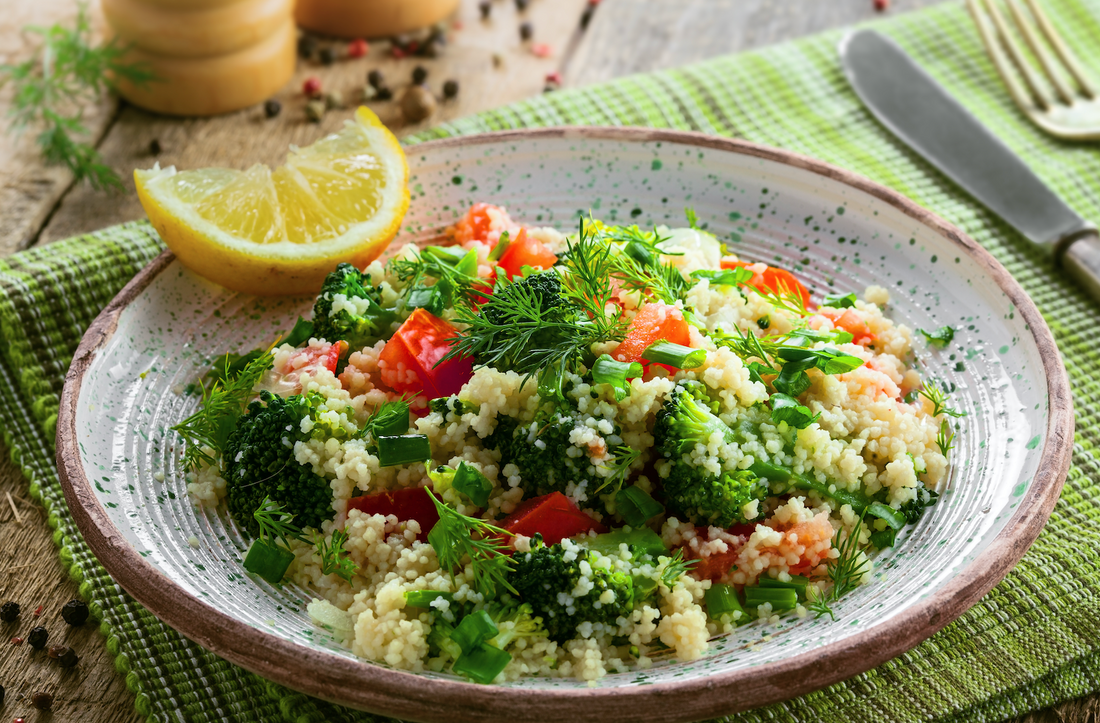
<point>64,655</point>
<point>42,701</point>
<point>521,5</point>
<point>419,74</point>
<point>38,637</point>
<point>384,93</point>
<point>9,611</point>
<point>155,147</point>
<point>272,108</point>
<point>375,79</point>
<point>75,612</point>
<point>306,47</point>
<point>327,56</point>
<point>450,89</point>
<point>586,16</point>
<point>526,30</point>
<point>1,695</point>
<point>486,8</point>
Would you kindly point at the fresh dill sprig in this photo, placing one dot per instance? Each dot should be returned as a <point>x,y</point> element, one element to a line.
<point>845,573</point>
<point>450,277</point>
<point>586,280</point>
<point>786,299</point>
<point>334,558</point>
<point>676,568</point>
<point>65,73</point>
<point>624,457</point>
<point>945,438</point>
<point>222,404</point>
<point>276,523</point>
<point>457,536</point>
<point>936,392</point>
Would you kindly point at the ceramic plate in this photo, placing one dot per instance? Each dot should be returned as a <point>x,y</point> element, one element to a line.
<point>837,231</point>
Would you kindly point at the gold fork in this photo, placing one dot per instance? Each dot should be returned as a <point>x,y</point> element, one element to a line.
<point>1057,97</point>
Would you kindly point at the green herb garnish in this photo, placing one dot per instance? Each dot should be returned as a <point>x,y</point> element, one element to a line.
<point>334,559</point>
<point>940,337</point>
<point>457,536</point>
<point>845,573</point>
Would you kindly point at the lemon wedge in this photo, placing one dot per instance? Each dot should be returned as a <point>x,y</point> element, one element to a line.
<point>280,232</point>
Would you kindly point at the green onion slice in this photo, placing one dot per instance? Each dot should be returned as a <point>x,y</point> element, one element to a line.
<point>502,245</point>
<point>642,540</point>
<point>675,355</point>
<point>482,664</point>
<point>796,583</point>
<point>895,519</point>
<point>403,449</point>
<point>636,507</point>
<point>470,482</point>
<point>268,560</point>
<point>425,598</point>
<point>474,630</point>
<point>780,599</point>
<point>616,373</point>
<point>722,601</point>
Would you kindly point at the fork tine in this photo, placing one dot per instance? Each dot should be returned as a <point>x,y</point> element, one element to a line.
<point>1045,60</point>
<point>996,54</point>
<point>1060,47</point>
<point>1013,49</point>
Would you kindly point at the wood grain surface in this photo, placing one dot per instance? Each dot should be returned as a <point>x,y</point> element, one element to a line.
<point>37,204</point>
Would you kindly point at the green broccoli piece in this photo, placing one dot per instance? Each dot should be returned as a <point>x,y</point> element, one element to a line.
<point>259,463</point>
<point>452,405</point>
<point>358,329</point>
<point>914,509</point>
<point>512,309</point>
<point>548,579</point>
<point>703,497</point>
<point>514,622</point>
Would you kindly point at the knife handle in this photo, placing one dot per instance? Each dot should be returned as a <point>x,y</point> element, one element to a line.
<point>1081,261</point>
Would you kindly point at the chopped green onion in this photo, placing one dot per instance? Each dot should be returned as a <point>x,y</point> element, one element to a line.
<point>425,598</point>
<point>470,482</point>
<point>474,630</point>
<point>483,664</point>
<point>642,540</point>
<point>636,507</point>
<point>724,277</point>
<point>839,301</point>
<point>447,254</point>
<point>403,449</point>
<point>674,355</point>
<point>796,583</point>
<point>780,599</point>
<point>787,409</point>
<point>940,337</point>
<point>884,538</point>
<point>893,518</point>
<point>722,601</point>
<point>391,420</point>
<point>616,373</point>
<point>502,245</point>
<point>299,335</point>
<point>467,265</point>
<point>639,252</point>
<point>268,560</point>
<point>428,298</point>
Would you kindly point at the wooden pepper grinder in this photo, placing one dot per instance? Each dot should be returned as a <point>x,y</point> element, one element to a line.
<point>209,56</point>
<point>371,18</point>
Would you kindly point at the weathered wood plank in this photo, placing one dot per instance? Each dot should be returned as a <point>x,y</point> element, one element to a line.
<point>637,36</point>
<point>240,139</point>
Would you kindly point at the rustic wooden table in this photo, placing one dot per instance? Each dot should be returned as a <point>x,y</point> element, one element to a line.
<point>493,67</point>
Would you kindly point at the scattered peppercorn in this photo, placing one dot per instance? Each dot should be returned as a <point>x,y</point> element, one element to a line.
<point>498,60</point>
<point>327,56</point>
<point>272,108</point>
<point>155,147</point>
<point>312,86</point>
<point>38,610</point>
<point>417,103</point>
<point>450,89</point>
<point>485,8</point>
<point>17,640</point>
<point>358,48</point>
<point>431,49</point>
<point>315,110</point>
<point>542,50</point>
<point>881,5</point>
<point>526,30</point>
<point>549,88</point>
<point>586,15</point>
<point>42,700</point>
<point>75,612</point>
<point>521,5</point>
<point>369,92</point>
<point>375,79</point>
<point>307,46</point>
<point>554,78</point>
<point>9,611</point>
<point>64,655</point>
<point>385,93</point>
<point>334,99</point>
<point>397,52</point>
<point>38,637</point>
<point>1,695</point>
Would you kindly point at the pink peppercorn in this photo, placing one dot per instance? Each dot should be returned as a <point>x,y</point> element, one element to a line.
<point>358,48</point>
<point>542,50</point>
<point>881,5</point>
<point>312,86</point>
<point>554,78</point>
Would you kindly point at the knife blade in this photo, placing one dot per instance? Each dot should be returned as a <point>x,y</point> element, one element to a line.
<point>920,112</point>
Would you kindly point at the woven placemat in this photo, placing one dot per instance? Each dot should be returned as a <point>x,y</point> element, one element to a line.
<point>1032,642</point>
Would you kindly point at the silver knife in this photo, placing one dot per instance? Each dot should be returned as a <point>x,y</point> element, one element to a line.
<point>919,111</point>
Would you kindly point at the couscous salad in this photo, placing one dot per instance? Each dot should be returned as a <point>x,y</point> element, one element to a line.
<point>536,453</point>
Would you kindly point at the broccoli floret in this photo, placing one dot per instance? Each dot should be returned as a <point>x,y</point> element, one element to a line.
<point>552,581</point>
<point>702,496</point>
<point>914,508</point>
<point>535,296</point>
<point>366,324</point>
<point>452,405</point>
<point>541,452</point>
<point>513,622</point>
<point>259,463</point>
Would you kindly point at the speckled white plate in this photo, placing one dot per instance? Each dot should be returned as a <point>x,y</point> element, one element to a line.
<point>837,231</point>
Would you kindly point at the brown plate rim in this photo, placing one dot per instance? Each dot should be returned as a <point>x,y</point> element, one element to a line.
<point>411,696</point>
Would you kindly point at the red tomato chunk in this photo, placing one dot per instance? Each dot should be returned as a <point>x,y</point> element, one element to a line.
<point>410,360</point>
<point>553,515</point>
<point>407,504</point>
<point>525,251</point>
<point>653,322</point>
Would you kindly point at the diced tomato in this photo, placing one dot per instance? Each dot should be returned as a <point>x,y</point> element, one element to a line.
<point>525,251</point>
<point>284,381</point>
<point>410,360</point>
<point>554,516</point>
<point>475,225</point>
<point>653,322</point>
<point>714,566</point>
<point>850,321</point>
<point>772,279</point>
<point>405,504</point>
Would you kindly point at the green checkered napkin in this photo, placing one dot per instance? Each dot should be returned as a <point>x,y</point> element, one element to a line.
<point>1032,642</point>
